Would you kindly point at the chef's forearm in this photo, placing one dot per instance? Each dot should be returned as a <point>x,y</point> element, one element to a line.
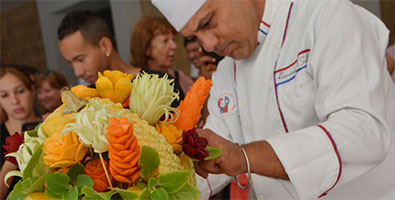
<point>264,161</point>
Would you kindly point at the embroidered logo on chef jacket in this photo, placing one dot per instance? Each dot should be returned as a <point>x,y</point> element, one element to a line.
<point>289,72</point>
<point>226,104</point>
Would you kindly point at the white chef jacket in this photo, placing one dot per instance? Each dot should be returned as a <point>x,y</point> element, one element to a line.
<point>317,90</point>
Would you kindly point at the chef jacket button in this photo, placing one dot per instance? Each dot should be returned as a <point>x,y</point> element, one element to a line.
<point>260,197</point>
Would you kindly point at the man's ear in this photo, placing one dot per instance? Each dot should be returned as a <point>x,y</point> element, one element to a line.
<point>105,45</point>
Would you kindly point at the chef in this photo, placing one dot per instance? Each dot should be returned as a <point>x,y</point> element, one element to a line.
<point>303,104</point>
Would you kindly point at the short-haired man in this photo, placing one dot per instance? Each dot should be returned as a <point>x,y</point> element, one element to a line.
<point>203,63</point>
<point>193,50</point>
<point>85,42</point>
<point>307,95</point>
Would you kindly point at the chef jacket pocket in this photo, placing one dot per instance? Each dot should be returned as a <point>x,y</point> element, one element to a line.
<point>298,98</point>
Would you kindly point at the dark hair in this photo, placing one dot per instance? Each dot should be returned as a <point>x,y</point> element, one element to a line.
<point>55,79</point>
<point>143,33</point>
<point>91,26</point>
<point>186,40</point>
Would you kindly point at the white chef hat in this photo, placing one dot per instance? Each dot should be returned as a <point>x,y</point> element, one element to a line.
<point>178,12</point>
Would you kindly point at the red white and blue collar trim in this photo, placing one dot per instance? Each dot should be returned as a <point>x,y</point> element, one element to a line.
<point>264,28</point>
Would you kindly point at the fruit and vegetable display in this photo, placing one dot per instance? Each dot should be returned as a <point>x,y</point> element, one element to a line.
<point>120,140</point>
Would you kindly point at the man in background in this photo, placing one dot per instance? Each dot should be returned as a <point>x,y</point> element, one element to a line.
<point>85,42</point>
<point>193,53</point>
<point>203,63</point>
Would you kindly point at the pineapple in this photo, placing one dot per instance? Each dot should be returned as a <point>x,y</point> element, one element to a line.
<point>147,135</point>
<point>187,164</point>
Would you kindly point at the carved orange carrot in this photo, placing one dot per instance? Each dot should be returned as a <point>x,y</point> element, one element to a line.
<point>192,104</point>
<point>95,170</point>
<point>123,150</point>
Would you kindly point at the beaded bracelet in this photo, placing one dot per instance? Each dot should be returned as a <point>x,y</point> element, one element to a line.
<point>248,168</point>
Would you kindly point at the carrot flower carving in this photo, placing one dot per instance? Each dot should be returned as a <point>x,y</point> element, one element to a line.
<point>192,104</point>
<point>123,150</point>
<point>95,170</point>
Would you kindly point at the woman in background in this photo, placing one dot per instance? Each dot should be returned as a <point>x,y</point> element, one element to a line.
<point>152,47</point>
<point>16,102</point>
<point>48,86</point>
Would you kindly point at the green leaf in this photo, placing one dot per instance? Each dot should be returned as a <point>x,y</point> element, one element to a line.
<point>71,194</point>
<point>17,189</point>
<point>187,192</point>
<point>38,185</point>
<point>141,184</point>
<point>74,171</point>
<point>109,194</point>
<point>172,196</point>
<point>17,196</point>
<point>149,160</point>
<point>126,194</point>
<point>159,194</point>
<point>51,195</point>
<point>26,184</point>
<point>152,182</point>
<point>28,172</point>
<point>34,132</point>
<point>57,183</point>
<point>144,194</point>
<point>174,181</point>
<point>213,153</point>
<point>84,180</point>
<point>90,193</point>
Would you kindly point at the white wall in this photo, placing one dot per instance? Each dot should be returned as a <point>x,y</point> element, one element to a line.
<point>124,13</point>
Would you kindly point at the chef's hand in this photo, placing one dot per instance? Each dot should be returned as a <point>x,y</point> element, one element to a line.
<point>230,162</point>
<point>207,68</point>
<point>262,158</point>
